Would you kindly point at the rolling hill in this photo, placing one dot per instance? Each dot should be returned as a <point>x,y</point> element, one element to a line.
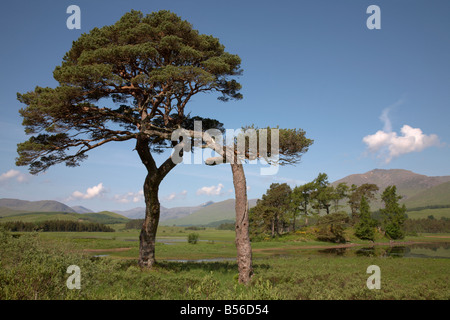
<point>104,217</point>
<point>437,195</point>
<point>35,211</point>
<point>36,206</point>
<point>218,211</point>
<point>418,191</point>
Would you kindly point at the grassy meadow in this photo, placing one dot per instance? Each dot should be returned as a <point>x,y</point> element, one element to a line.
<point>33,266</point>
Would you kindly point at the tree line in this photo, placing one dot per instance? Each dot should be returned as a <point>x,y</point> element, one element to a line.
<point>429,225</point>
<point>56,226</point>
<point>320,203</point>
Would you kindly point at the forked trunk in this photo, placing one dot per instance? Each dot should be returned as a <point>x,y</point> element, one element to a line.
<point>243,246</point>
<point>147,238</point>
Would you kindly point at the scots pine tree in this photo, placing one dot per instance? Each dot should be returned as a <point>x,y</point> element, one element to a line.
<point>132,80</point>
<point>393,214</point>
<point>365,228</point>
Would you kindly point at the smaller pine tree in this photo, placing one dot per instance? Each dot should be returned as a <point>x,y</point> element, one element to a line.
<point>365,229</point>
<point>394,215</point>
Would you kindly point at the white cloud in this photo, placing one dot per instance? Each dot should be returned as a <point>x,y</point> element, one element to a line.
<point>129,197</point>
<point>90,193</point>
<point>389,145</point>
<point>176,196</point>
<point>14,174</point>
<point>211,191</point>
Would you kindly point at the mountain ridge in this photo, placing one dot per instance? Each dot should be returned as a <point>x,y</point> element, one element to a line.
<point>37,206</point>
<point>408,183</point>
<point>418,190</point>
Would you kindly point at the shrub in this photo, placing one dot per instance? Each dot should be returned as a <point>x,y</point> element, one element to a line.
<point>193,238</point>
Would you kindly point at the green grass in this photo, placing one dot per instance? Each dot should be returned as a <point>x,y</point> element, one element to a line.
<point>423,214</point>
<point>35,268</point>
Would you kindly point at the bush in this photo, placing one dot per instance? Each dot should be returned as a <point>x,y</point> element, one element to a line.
<point>332,226</point>
<point>394,231</point>
<point>193,238</point>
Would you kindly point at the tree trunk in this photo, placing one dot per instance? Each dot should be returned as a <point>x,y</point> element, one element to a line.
<point>147,238</point>
<point>243,246</point>
<point>272,227</point>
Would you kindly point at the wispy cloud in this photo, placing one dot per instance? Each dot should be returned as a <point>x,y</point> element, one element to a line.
<point>176,196</point>
<point>128,197</point>
<point>14,175</point>
<point>385,115</point>
<point>211,191</point>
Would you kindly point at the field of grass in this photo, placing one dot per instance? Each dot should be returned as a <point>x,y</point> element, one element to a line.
<point>436,213</point>
<point>33,266</point>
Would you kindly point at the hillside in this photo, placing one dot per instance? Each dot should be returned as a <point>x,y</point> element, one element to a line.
<point>166,213</point>
<point>437,195</point>
<point>408,183</point>
<point>80,209</point>
<point>218,211</point>
<point>104,217</point>
<point>4,212</point>
<point>36,206</point>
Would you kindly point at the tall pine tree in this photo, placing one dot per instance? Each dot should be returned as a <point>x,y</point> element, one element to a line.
<point>393,214</point>
<point>365,229</point>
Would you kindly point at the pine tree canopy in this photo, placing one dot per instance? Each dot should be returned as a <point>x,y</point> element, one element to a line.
<point>129,80</point>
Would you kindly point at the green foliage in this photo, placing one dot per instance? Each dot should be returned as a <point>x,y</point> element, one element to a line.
<point>292,144</point>
<point>393,215</point>
<point>366,190</point>
<point>56,226</point>
<point>33,267</point>
<point>129,80</point>
<point>365,228</point>
<point>269,216</point>
<point>226,226</point>
<point>301,198</point>
<point>331,227</point>
<point>195,228</point>
<point>322,194</point>
<point>427,225</point>
<point>193,238</point>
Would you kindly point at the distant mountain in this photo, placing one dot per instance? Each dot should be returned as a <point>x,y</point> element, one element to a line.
<point>416,189</point>
<point>80,209</point>
<point>218,211</point>
<point>35,206</point>
<point>166,213</point>
<point>407,182</point>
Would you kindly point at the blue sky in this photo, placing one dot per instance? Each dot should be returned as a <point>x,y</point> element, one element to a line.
<point>369,98</point>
